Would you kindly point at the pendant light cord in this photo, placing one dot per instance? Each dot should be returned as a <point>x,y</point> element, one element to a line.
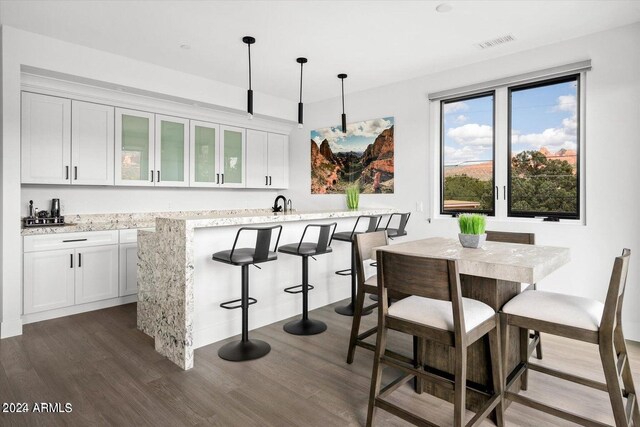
<point>301,82</point>
<point>342,80</point>
<point>249,46</point>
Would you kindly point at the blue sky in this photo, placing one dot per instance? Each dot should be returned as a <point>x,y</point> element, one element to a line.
<point>359,135</point>
<point>541,117</point>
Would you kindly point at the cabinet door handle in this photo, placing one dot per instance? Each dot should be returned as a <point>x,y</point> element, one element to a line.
<point>270,183</point>
<point>217,178</point>
<point>151,176</point>
<point>74,240</point>
<point>158,176</point>
<point>497,194</point>
<point>504,192</point>
<point>66,172</point>
<point>71,261</point>
<point>79,260</point>
<point>266,180</point>
<point>222,179</point>
<point>75,173</point>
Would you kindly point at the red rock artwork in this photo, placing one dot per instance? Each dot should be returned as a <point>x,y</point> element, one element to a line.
<point>364,155</point>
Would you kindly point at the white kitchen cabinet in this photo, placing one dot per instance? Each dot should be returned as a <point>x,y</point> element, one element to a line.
<point>45,139</point>
<point>232,157</point>
<point>49,278</point>
<point>66,269</point>
<point>92,143</point>
<point>134,151</point>
<point>171,152</point>
<point>267,160</point>
<point>204,152</point>
<point>96,273</point>
<point>128,269</point>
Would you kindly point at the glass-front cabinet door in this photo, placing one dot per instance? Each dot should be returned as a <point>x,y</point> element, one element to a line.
<point>172,152</point>
<point>134,148</point>
<point>204,141</point>
<point>232,157</point>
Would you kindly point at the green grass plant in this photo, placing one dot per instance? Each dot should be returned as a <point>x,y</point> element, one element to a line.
<point>353,196</point>
<point>472,223</point>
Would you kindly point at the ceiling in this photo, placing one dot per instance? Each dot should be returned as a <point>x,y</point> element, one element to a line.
<point>374,42</point>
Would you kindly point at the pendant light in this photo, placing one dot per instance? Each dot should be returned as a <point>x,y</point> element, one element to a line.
<point>249,41</point>
<point>300,61</point>
<point>344,116</point>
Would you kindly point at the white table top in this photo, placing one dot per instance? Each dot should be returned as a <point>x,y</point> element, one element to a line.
<point>505,261</point>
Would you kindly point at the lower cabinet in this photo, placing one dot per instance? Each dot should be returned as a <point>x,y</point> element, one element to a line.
<point>128,269</point>
<point>96,273</point>
<point>66,269</point>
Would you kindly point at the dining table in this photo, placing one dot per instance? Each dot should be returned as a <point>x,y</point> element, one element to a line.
<point>493,273</point>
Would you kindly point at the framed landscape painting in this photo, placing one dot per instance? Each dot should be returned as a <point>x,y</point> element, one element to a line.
<point>362,156</point>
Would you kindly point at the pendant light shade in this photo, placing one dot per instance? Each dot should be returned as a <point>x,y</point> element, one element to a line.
<point>301,61</point>
<point>249,41</point>
<point>344,116</point>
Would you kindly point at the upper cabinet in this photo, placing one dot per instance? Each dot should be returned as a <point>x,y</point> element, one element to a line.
<point>232,157</point>
<point>92,143</point>
<point>204,151</point>
<point>66,142</point>
<point>267,160</point>
<point>46,139</point>
<point>135,158</point>
<point>172,152</point>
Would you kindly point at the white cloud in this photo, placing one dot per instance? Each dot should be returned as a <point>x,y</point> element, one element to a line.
<point>453,107</point>
<point>566,103</point>
<point>461,118</point>
<point>466,153</point>
<point>368,129</point>
<point>554,138</point>
<point>472,134</point>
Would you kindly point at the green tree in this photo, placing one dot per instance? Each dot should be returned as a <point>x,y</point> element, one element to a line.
<point>464,187</point>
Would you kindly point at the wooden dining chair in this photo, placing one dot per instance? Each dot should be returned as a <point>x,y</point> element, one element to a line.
<point>434,311</point>
<point>585,320</point>
<point>525,239</point>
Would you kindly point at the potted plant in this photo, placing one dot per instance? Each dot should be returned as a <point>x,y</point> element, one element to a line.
<point>353,196</point>
<point>472,228</point>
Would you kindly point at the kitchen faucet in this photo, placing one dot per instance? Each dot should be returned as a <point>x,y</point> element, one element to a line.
<point>276,208</point>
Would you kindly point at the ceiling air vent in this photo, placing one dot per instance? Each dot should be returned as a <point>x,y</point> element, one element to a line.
<point>495,42</point>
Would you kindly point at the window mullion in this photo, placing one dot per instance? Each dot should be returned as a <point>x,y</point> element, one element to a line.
<point>501,160</point>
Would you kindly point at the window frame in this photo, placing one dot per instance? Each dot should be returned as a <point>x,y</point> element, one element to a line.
<point>442,102</point>
<point>577,77</point>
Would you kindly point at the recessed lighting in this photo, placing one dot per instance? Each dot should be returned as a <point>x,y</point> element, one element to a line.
<point>185,46</point>
<point>444,8</point>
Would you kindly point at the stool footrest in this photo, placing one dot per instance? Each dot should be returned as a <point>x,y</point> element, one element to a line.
<point>290,290</point>
<point>227,305</point>
<point>345,272</point>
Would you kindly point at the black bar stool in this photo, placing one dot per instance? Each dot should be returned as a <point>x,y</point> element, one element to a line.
<point>348,236</point>
<point>246,349</point>
<point>306,326</point>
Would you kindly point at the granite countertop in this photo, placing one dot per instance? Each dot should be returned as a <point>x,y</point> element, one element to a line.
<point>194,219</point>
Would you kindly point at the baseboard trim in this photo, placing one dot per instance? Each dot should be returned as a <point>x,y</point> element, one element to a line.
<point>77,309</point>
<point>11,328</point>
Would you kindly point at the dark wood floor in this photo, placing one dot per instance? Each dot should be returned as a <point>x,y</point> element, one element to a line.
<point>111,375</point>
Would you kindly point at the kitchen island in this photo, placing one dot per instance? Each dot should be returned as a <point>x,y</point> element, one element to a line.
<point>180,288</point>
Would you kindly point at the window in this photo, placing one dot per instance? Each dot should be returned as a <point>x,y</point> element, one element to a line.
<point>543,148</point>
<point>513,151</point>
<point>467,146</point>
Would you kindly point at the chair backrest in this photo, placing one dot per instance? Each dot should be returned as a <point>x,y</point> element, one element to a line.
<point>364,244</point>
<point>509,237</point>
<point>404,219</point>
<point>615,295</point>
<point>374,220</point>
<point>325,236</point>
<point>263,241</point>
<point>425,277</point>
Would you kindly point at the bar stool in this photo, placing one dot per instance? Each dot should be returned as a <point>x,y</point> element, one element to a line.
<point>306,326</point>
<point>393,233</point>
<point>247,349</point>
<point>525,239</point>
<point>347,236</point>
<point>584,320</point>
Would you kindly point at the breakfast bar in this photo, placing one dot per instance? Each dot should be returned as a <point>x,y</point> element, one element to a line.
<point>179,288</point>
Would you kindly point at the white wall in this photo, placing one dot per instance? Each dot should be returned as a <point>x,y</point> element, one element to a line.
<point>23,49</point>
<point>612,156</point>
